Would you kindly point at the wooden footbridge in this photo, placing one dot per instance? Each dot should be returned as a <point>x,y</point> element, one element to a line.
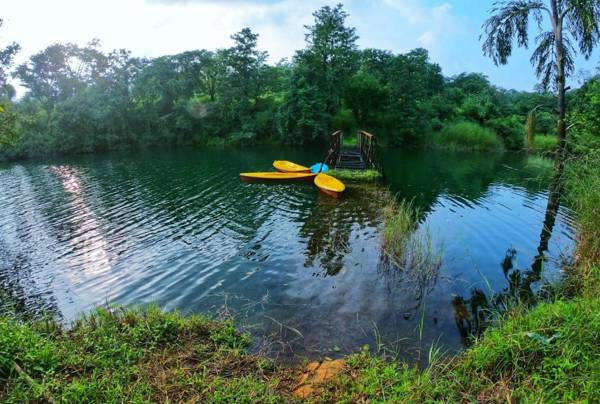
<point>361,157</point>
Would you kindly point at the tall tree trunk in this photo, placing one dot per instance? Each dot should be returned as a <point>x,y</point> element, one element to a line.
<point>560,84</point>
<point>559,163</point>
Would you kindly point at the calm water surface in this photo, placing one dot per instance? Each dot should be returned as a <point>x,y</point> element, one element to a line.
<point>302,272</point>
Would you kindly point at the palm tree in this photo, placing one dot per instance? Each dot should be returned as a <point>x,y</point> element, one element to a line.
<point>574,26</point>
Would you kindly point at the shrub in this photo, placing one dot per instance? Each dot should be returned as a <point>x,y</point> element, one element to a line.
<point>468,136</point>
<point>544,145</point>
<point>510,130</point>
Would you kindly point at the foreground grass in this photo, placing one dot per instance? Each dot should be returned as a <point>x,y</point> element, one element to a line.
<point>356,175</point>
<point>468,136</point>
<point>122,355</point>
<point>549,354</point>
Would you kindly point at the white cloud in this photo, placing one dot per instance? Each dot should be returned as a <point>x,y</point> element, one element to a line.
<point>427,39</point>
<point>417,24</point>
<point>441,24</point>
<point>159,27</point>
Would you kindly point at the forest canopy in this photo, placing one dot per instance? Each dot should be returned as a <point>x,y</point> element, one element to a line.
<point>81,99</point>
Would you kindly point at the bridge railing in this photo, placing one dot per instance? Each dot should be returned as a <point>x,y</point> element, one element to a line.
<point>335,145</point>
<point>367,145</point>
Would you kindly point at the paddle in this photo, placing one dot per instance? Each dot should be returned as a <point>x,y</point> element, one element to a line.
<point>324,159</point>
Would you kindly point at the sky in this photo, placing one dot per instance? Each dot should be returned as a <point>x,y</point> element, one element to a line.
<point>449,29</point>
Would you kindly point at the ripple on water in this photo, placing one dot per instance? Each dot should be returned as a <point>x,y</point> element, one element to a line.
<point>181,229</point>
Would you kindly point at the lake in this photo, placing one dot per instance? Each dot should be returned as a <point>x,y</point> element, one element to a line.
<point>302,272</point>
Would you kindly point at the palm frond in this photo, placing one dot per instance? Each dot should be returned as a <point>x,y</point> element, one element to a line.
<point>544,57</point>
<point>510,20</point>
<point>582,20</point>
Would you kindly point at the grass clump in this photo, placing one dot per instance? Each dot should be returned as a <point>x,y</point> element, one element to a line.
<point>468,136</point>
<point>405,245</point>
<point>401,221</point>
<point>125,355</point>
<point>544,145</point>
<point>356,175</point>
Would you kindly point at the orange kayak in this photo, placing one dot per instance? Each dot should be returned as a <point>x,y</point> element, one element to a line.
<point>274,176</point>
<point>329,185</point>
<point>289,167</point>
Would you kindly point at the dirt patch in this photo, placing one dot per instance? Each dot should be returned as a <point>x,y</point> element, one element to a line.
<point>315,374</point>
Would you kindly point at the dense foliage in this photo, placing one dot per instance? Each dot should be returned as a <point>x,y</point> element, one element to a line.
<point>81,99</point>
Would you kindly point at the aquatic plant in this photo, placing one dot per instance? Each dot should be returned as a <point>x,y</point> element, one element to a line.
<point>406,246</point>
<point>468,136</point>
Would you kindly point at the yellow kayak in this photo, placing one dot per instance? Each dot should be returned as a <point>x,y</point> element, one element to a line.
<point>274,176</point>
<point>329,185</point>
<point>289,167</point>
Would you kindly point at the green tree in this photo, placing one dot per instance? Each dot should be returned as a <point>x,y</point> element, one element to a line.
<point>321,75</point>
<point>366,95</point>
<point>8,116</point>
<point>6,61</point>
<point>61,70</point>
<point>413,82</point>
<point>572,24</point>
<point>8,124</point>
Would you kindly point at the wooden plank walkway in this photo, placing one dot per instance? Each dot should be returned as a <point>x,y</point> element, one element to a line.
<point>361,157</point>
<point>350,159</point>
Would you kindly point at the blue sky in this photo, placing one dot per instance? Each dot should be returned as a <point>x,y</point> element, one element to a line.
<point>449,29</point>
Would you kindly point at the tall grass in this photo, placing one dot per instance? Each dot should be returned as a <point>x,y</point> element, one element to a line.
<point>583,185</point>
<point>468,136</point>
<point>405,245</point>
<point>401,220</point>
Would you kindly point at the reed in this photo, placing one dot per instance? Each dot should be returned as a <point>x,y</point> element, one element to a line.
<point>407,246</point>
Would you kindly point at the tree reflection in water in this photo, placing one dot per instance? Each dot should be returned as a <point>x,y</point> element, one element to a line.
<point>331,222</point>
<point>475,314</point>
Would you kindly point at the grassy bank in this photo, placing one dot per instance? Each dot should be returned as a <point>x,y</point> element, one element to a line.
<point>356,175</point>
<point>132,355</point>
<point>467,136</point>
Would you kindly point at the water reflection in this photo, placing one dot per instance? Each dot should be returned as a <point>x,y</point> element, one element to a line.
<point>525,287</point>
<point>332,222</point>
<point>89,246</point>
<point>179,229</point>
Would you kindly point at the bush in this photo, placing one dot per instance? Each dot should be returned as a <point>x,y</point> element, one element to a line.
<point>545,145</point>
<point>510,130</point>
<point>468,136</point>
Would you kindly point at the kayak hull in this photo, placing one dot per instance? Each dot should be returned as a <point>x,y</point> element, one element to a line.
<point>333,194</point>
<point>284,166</point>
<point>277,176</point>
<point>329,185</point>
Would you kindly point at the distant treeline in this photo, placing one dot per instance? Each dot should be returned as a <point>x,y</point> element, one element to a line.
<point>80,99</point>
